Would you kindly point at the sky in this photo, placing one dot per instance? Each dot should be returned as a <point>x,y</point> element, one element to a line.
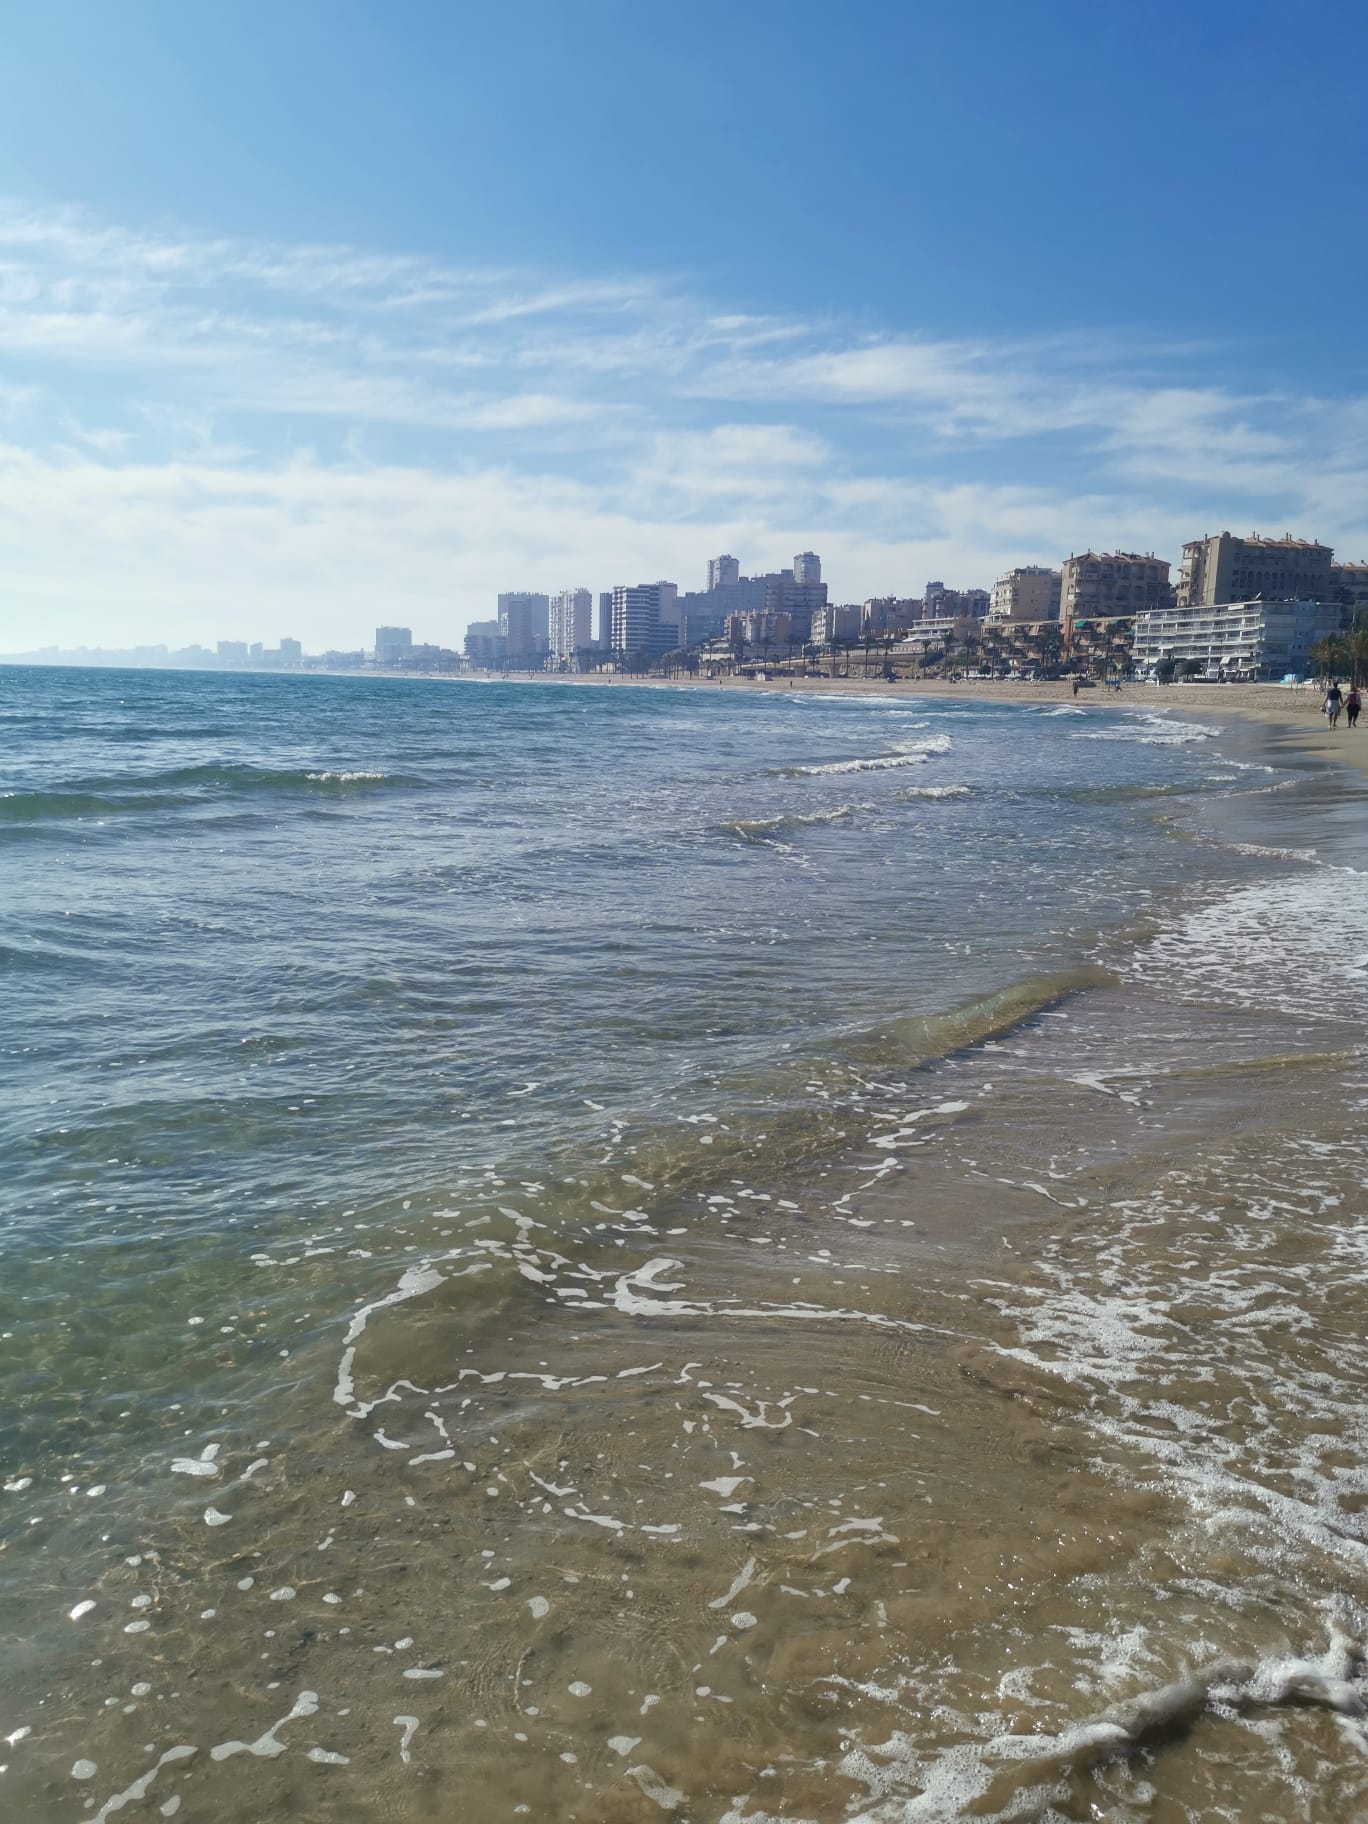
<point>315,317</point>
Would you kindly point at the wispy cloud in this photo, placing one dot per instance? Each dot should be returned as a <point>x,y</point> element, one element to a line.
<point>205,433</point>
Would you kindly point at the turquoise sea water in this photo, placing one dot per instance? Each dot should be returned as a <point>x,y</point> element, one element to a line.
<point>358,1034</point>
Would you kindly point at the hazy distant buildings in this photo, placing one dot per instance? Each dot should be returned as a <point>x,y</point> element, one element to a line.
<point>569,624</point>
<point>232,652</point>
<point>291,652</point>
<point>1028,593</point>
<point>393,645</point>
<point>807,567</point>
<point>605,620</point>
<point>524,625</point>
<point>484,644</point>
<point>723,572</point>
<point>1100,585</point>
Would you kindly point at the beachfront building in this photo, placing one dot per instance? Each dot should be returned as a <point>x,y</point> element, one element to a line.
<point>645,620</point>
<point>1103,645</point>
<point>1100,585</point>
<point>1223,569</point>
<point>1028,593</point>
<point>891,613</point>
<point>484,647</point>
<point>524,622</point>
<point>393,645</point>
<point>838,623</point>
<point>569,623</point>
<point>1254,639</point>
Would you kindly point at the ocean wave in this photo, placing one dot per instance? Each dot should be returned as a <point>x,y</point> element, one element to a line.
<point>760,828</point>
<point>114,796</point>
<point>915,754</point>
<point>1150,731</point>
<point>1274,854</point>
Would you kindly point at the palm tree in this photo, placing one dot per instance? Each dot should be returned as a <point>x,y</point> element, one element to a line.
<point>1354,647</point>
<point>1329,655</point>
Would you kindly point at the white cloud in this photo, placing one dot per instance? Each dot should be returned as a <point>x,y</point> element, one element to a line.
<point>210,437</point>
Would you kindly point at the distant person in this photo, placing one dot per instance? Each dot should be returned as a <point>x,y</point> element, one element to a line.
<point>1334,703</point>
<point>1353,703</point>
<point>1075,687</point>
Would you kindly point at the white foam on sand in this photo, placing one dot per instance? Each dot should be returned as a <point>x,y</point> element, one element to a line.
<point>1294,945</point>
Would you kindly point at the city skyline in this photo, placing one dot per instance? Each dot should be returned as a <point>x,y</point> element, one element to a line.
<point>249,390</point>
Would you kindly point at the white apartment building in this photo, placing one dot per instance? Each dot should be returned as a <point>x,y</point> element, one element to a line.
<point>1028,593</point>
<point>569,624</point>
<point>645,618</point>
<point>1235,639</point>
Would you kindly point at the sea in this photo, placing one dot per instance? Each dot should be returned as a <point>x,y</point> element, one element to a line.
<point>621,1253</point>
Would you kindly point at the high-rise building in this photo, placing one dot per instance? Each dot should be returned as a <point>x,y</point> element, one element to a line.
<point>291,651</point>
<point>393,644</point>
<point>568,631</point>
<point>524,622</point>
<point>807,567</point>
<point>232,652</point>
<point>605,620</point>
<point>799,602</point>
<point>1223,568</point>
<point>1028,593</point>
<point>1099,585</point>
<point>638,630</point>
<point>723,572</point>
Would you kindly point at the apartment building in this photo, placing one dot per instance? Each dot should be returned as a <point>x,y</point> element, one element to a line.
<point>1348,587</point>
<point>1028,593</point>
<point>1252,639</point>
<point>1222,568</point>
<point>645,619</point>
<point>569,624</point>
<point>1105,584</point>
<point>524,622</point>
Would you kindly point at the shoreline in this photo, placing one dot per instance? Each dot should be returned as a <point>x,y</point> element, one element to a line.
<point>1295,709</point>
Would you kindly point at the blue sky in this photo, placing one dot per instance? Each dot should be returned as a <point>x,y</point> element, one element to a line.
<point>318,316</point>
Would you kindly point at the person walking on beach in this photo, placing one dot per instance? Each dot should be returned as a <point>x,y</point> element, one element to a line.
<point>1334,702</point>
<point>1353,703</point>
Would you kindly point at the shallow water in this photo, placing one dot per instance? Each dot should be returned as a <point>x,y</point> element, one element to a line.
<point>608,1254</point>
